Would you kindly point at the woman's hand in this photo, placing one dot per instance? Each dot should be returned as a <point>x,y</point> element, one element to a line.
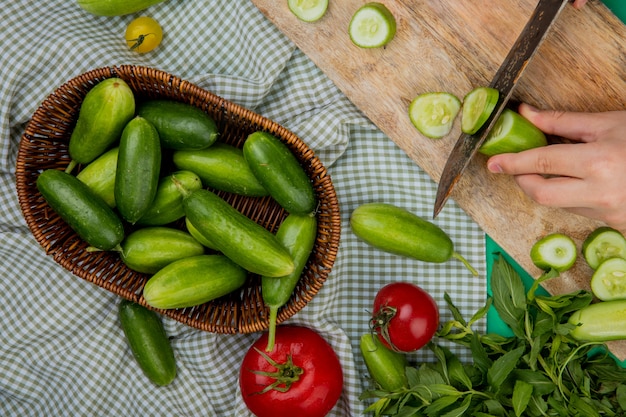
<point>579,3</point>
<point>587,177</point>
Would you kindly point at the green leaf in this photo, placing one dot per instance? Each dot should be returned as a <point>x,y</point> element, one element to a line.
<point>582,407</point>
<point>521,395</point>
<point>479,354</point>
<point>444,389</point>
<point>459,411</point>
<point>482,312</point>
<point>454,310</point>
<point>502,367</point>
<point>509,295</point>
<point>542,385</point>
<point>620,393</point>
<point>494,407</point>
<point>439,405</point>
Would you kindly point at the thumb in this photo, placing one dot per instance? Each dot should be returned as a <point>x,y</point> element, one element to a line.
<point>570,125</point>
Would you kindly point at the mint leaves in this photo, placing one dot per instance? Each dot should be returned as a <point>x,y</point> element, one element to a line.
<point>540,371</point>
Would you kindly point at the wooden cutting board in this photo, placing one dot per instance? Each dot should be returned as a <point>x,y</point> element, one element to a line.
<point>454,46</point>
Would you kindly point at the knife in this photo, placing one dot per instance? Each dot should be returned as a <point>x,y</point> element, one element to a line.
<point>504,81</point>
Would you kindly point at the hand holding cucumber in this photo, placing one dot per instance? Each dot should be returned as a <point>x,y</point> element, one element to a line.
<point>586,177</point>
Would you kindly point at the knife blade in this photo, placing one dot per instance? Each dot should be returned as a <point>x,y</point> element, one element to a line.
<point>504,81</point>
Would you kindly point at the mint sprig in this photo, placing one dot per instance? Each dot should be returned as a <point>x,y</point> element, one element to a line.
<point>539,371</point>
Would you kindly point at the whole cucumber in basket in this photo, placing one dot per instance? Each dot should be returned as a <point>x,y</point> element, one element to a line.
<point>241,239</point>
<point>103,114</point>
<point>278,169</point>
<point>115,7</point>
<point>99,175</point>
<point>221,167</point>
<point>138,169</point>
<point>398,231</point>
<point>148,342</point>
<point>150,249</point>
<point>193,281</point>
<point>180,125</point>
<point>167,205</point>
<point>86,213</point>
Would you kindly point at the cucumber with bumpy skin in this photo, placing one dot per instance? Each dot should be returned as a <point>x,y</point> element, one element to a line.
<point>103,114</point>
<point>241,239</point>
<point>138,168</point>
<point>398,231</point>
<point>193,281</point>
<point>86,213</point>
<point>148,342</point>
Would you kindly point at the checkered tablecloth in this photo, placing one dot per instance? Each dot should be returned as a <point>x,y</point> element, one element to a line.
<point>62,350</point>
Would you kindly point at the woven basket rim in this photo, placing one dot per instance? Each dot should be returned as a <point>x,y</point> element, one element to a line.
<point>44,145</point>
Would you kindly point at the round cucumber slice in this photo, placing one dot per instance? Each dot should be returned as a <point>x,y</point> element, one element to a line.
<point>602,244</point>
<point>512,133</point>
<point>609,280</point>
<point>308,10</point>
<point>433,113</point>
<point>477,107</point>
<point>556,251</point>
<point>372,26</point>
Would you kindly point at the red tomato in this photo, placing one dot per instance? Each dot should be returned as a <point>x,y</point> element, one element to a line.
<point>405,316</point>
<point>301,377</point>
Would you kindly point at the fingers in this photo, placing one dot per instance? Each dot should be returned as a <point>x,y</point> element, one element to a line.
<point>570,125</point>
<point>579,3</point>
<point>559,159</point>
<point>561,192</point>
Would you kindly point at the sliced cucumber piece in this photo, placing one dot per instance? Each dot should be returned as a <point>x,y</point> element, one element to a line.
<point>556,251</point>
<point>308,10</point>
<point>609,280</point>
<point>433,114</point>
<point>512,133</point>
<point>477,107</point>
<point>372,26</point>
<point>602,244</point>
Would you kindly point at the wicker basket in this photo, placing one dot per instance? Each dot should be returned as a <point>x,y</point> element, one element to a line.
<point>44,145</point>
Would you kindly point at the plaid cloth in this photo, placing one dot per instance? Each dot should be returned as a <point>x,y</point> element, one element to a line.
<point>62,350</point>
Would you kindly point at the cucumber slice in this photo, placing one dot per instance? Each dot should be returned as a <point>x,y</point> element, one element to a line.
<point>512,133</point>
<point>308,10</point>
<point>477,107</point>
<point>433,113</point>
<point>556,251</point>
<point>609,280</point>
<point>372,26</point>
<point>602,244</point>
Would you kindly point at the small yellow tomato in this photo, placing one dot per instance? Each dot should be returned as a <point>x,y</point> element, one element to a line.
<point>143,34</point>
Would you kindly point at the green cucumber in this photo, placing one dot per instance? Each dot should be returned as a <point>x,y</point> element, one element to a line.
<point>198,236</point>
<point>297,234</point>
<point>221,167</point>
<point>600,322</point>
<point>396,230</point>
<point>150,249</point>
<point>115,7</point>
<point>602,244</point>
<point>277,168</point>
<point>308,10</point>
<point>167,206</point>
<point>180,125</point>
<point>138,168</point>
<point>478,105</point>
<point>148,342</point>
<point>556,250</point>
<point>86,213</point>
<point>99,175</point>
<point>433,114</point>
<point>512,133</point>
<point>372,26</point>
<point>193,281</point>
<point>104,112</point>
<point>386,367</point>
<point>609,280</point>
<point>245,242</point>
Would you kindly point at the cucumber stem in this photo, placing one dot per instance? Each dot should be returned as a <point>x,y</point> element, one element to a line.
<point>465,262</point>
<point>70,167</point>
<point>271,336</point>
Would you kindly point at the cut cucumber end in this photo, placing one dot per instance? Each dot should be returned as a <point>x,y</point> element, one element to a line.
<point>308,10</point>
<point>478,105</point>
<point>433,114</point>
<point>609,280</point>
<point>602,244</point>
<point>372,26</point>
<point>556,251</point>
<point>512,133</point>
